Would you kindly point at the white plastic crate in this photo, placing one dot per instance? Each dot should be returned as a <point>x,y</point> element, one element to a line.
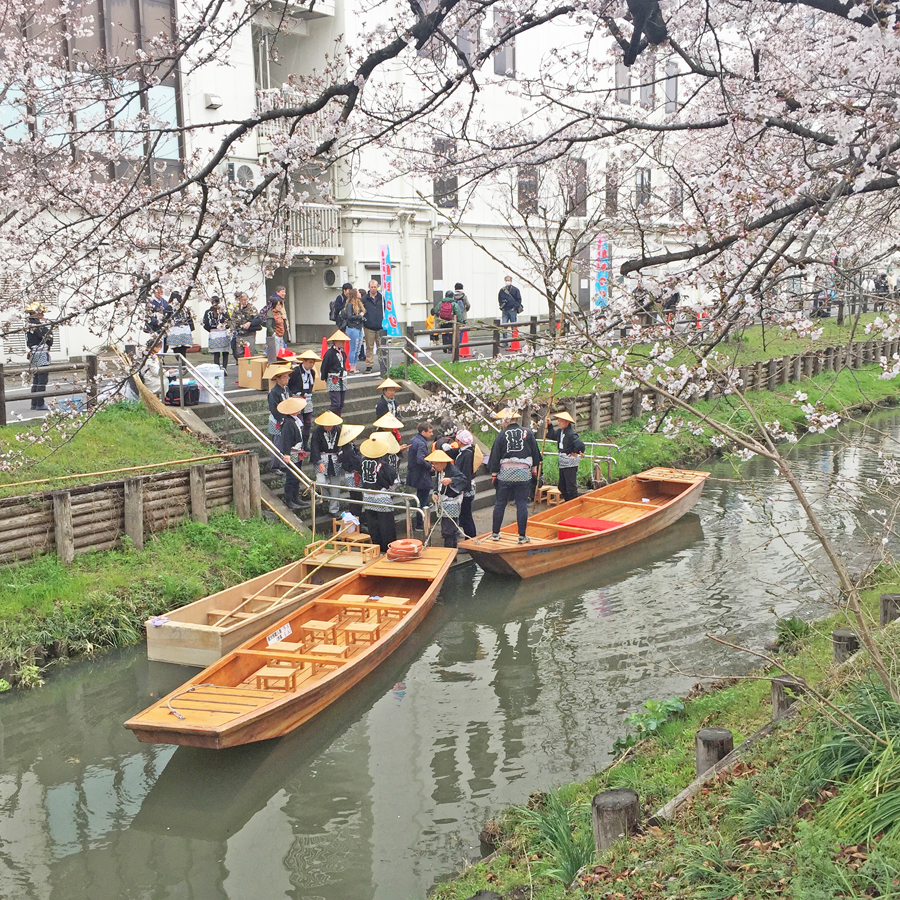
<point>215,375</point>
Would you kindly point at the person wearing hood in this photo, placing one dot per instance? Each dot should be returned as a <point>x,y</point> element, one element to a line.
<point>571,448</point>
<point>462,302</point>
<point>334,371</point>
<point>323,454</point>
<point>39,340</point>
<point>451,483</point>
<point>468,465</point>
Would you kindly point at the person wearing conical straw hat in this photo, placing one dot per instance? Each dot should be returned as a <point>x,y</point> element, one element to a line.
<point>350,461</point>
<point>289,441</point>
<point>334,370</point>
<point>376,477</point>
<point>278,374</point>
<point>451,483</point>
<point>323,453</point>
<point>467,463</point>
<point>390,421</point>
<point>393,445</point>
<point>514,459</point>
<point>571,448</point>
<point>301,384</point>
<point>386,402</point>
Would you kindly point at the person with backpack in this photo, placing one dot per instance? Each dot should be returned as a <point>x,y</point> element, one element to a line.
<point>445,311</point>
<point>373,322</point>
<point>336,307</point>
<point>514,459</point>
<point>462,302</point>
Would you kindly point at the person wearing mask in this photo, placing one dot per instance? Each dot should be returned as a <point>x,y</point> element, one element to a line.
<point>323,454</point>
<point>372,323</point>
<point>418,473</point>
<point>571,448</point>
<point>39,340</point>
<point>334,371</point>
<point>301,384</point>
<point>450,487</point>
<point>290,442</point>
<point>513,461</point>
<point>352,320</point>
<point>468,464</point>
<point>215,322</point>
<point>510,300</point>
<point>377,477</point>
<point>245,322</point>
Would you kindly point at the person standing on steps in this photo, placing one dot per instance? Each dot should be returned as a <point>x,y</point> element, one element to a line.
<point>372,324</point>
<point>289,441</point>
<point>514,459</point>
<point>386,402</point>
<point>279,375</point>
<point>350,461</point>
<point>450,486</point>
<point>468,465</point>
<point>39,340</point>
<point>301,384</point>
<point>376,478</point>
<point>571,449</point>
<point>418,473</point>
<point>323,454</point>
<point>334,371</point>
<point>277,334</point>
<point>245,322</point>
<point>510,300</point>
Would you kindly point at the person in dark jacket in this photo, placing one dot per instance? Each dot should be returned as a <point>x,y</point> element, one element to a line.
<point>445,310</point>
<point>418,474</point>
<point>158,314</point>
<point>377,477</point>
<point>514,459</point>
<point>301,384</point>
<point>446,438</point>
<point>279,375</point>
<point>571,448</point>
<point>336,307</point>
<point>386,402</point>
<point>323,453</point>
<point>350,461</point>
<point>215,323</point>
<point>334,371</point>
<point>39,340</point>
<point>451,484</point>
<point>510,300</point>
<point>466,463</point>
<point>351,321</point>
<point>462,302</point>
<point>372,324</point>
<point>289,441</point>
<point>245,320</point>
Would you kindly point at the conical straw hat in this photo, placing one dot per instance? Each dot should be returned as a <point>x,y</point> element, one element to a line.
<point>276,369</point>
<point>438,456</point>
<point>350,433</point>
<point>506,413</point>
<point>388,383</point>
<point>338,336</point>
<point>372,449</point>
<point>562,415</point>
<point>328,418</point>
<point>291,406</point>
<point>388,440</point>
<point>388,420</point>
<point>309,354</point>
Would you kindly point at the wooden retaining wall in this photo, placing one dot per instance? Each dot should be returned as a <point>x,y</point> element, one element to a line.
<point>99,516</point>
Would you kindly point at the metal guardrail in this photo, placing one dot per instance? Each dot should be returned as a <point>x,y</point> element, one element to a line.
<point>88,386</point>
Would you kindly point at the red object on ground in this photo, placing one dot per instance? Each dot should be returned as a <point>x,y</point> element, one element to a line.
<point>324,347</point>
<point>464,351</point>
<point>585,524</point>
<point>514,344</point>
<point>246,351</point>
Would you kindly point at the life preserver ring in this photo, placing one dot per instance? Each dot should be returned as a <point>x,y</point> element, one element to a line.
<point>405,549</point>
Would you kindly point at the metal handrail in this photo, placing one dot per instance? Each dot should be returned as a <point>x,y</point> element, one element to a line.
<point>408,503</point>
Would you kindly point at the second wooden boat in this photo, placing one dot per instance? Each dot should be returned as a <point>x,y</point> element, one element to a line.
<point>271,684</point>
<point>592,525</point>
<point>203,631</point>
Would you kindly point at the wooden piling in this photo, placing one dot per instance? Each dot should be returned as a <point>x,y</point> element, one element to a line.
<point>62,524</point>
<point>636,409</point>
<point>786,690</point>
<point>844,644</point>
<point>889,609</point>
<point>614,815</point>
<point>771,374</point>
<point>615,405</point>
<point>711,745</point>
<point>197,477</point>
<point>134,511</point>
<point>240,474</point>
<point>596,418</point>
<point>255,489</point>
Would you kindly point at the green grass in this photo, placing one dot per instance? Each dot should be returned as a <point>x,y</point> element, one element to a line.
<point>810,813</point>
<point>124,434</point>
<point>103,598</point>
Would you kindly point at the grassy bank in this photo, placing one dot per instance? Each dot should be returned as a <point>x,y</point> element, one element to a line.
<point>121,435</point>
<point>811,812</point>
<point>48,610</point>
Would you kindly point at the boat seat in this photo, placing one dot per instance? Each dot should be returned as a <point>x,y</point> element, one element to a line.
<point>275,678</point>
<point>549,494</point>
<point>214,615</point>
<point>340,651</point>
<point>355,631</point>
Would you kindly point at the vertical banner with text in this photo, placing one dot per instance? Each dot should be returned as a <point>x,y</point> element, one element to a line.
<point>601,281</point>
<point>389,323</point>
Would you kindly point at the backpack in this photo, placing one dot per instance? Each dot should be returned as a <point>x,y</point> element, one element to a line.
<point>336,307</point>
<point>445,310</point>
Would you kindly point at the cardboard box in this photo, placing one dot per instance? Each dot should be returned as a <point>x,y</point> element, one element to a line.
<point>250,372</point>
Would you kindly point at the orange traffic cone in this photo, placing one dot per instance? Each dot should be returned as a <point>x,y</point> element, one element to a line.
<point>324,347</point>
<point>514,345</point>
<point>464,351</point>
<point>246,351</point>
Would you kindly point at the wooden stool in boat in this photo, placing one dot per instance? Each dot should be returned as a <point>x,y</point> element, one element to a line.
<point>330,653</point>
<point>354,603</point>
<point>394,613</point>
<point>548,494</point>
<point>275,678</point>
<point>314,627</point>
<point>361,536</point>
<point>284,647</point>
<point>362,630</point>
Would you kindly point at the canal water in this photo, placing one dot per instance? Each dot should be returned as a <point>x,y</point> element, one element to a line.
<point>507,687</point>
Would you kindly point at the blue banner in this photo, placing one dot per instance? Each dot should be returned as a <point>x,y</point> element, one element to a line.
<point>389,322</point>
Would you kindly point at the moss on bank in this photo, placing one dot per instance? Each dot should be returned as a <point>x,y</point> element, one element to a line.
<point>789,822</point>
<point>48,610</point>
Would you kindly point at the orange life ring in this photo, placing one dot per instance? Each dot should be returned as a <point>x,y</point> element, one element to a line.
<point>404,549</point>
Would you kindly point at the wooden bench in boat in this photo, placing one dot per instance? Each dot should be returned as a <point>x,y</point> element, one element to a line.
<point>428,565</point>
<point>326,628</point>
<point>331,651</point>
<point>315,662</point>
<point>284,676</point>
<point>380,607</point>
<point>217,616</point>
<point>369,631</point>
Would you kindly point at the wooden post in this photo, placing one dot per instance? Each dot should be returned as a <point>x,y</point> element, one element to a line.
<point>829,359</point>
<point>62,525</point>
<point>615,405</point>
<point>636,409</point>
<point>91,374</point>
<point>614,814</point>
<point>134,511</point>
<point>711,745</point>
<point>240,485</point>
<point>786,690</point>
<point>533,330</point>
<point>455,356</point>
<point>495,350</point>
<point>797,368</point>
<point>411,335</point>
<point>758,376</point>
<point>596,411</point>
<point>844,644</point>
<point>840,315</point>
<point>888,609</point>
<point>255,490</point>
<point>771,379</point>
<point>785,369</point>
<point>744,375</point>
<point>197,476</point>
<point>2,396</point>
<point>816,364</point>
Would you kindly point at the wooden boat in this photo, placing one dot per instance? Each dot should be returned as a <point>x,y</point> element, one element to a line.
<point>203,631</point>
<point>271,684</point>
<point>599,522</point>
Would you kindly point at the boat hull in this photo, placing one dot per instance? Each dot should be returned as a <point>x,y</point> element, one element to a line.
<point>538,558</point>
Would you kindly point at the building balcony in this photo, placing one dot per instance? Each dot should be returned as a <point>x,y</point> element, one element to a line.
<point>280,99</point>
<point>314,230</point>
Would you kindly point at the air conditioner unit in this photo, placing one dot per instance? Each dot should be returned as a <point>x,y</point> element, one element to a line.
<point>334,277</point>
<point>243,173</point>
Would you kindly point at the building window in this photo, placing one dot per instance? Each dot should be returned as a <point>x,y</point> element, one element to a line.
<point>528,190</point>
<point>677,198</point>
<point>671,86</point>
<point>577,188</point>
<point>648,83</point>
<point>623,83</point>
<point>612,191</point>
<point>468,39</point>
<point>642,187</point>
<point>505,56</point>
<point>446,188</point>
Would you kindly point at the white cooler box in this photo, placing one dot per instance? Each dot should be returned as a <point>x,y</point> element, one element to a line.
<point>215,375</point>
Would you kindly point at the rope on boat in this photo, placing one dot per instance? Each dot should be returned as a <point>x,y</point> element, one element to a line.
<point>175,696</point>
<point>409,548</point>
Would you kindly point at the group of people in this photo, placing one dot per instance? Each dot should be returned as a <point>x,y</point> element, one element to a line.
<point>360,316</point>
